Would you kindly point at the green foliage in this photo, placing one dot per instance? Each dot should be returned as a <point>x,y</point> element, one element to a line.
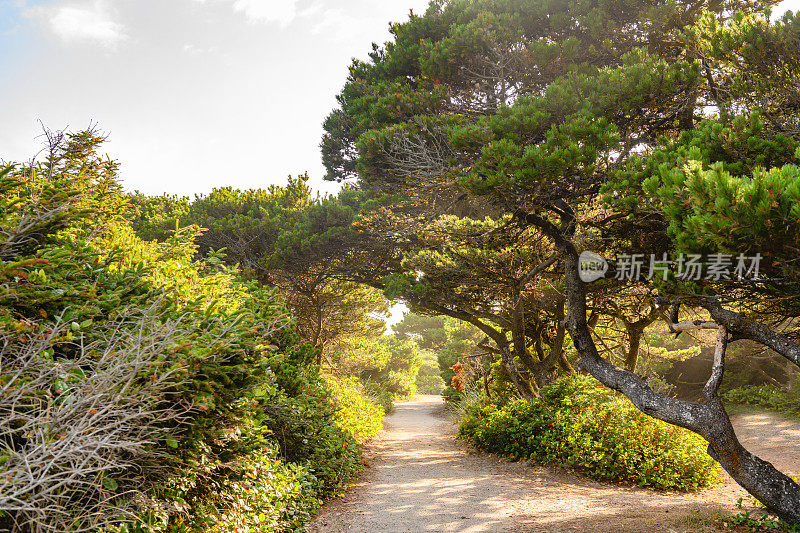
<point>501,388</point>
<point>722,186</point>
<point>356,412</point>
<point>781,399</point>
<point>445,338</point>
<point>428,379</point>
<point>385,361</point>
<point>573,103</point>
<point>469,402</point>
<point>260,493</point>
<point>764,53</point>
<point>763,522</point>
<point>284,237</point>
<point>461,338</point>
<point>379,395</point>
<point>427,331</point>
<point>156,217</point>
<point>259,421</point>
<point>535,118</point>
<point>580,425</point>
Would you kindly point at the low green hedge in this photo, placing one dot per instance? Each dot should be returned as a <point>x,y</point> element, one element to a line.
<point>581,425</point>
<point>785,401</point>
<point>378,394</point>
<point>356,412</point>
<point>259,494</point>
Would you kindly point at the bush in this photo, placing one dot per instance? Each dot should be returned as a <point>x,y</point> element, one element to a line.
<point>127,365</point>
<point>581,425</point>
<point>468,402</point>
<point>379,395</point>
<point>105,426</point>
<point>766,396</point>
<point>356,413</point>
<point>261,493</point>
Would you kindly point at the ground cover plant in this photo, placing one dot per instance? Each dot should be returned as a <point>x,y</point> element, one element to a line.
<point>578,424</point>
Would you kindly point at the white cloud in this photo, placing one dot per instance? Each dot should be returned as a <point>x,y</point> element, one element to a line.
<point>281,11</point>
<point>87,23</point>
<point>336,24</point>
<point>313,9</point>
<point>193,49</point>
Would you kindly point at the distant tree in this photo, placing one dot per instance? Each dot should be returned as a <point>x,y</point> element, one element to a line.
<point>446,340</point>
<point>278,236</point>
<point>428,379</point>
<point>427,331</point>
<point>389,363</point>
<point>496,281</point>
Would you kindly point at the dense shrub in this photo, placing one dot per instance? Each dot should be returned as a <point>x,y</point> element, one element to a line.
<point>785,400</point>
<point>266,494</point>
<point>379,395</point>
<point>583,426</point>
<point>356,412</point>
<point>260,493</point>
<point>129,365</point>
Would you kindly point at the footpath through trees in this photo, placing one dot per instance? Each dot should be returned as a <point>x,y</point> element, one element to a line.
<point>420,478</point>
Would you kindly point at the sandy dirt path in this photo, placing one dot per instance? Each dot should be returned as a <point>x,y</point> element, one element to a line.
<point>420,478</point>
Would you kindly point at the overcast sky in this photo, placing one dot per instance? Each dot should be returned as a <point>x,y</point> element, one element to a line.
<point>193,93</point>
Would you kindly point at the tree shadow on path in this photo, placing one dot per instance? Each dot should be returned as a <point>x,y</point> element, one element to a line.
<point>420,478</point>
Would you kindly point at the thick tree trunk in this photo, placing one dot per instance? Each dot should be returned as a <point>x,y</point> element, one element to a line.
<point>565,364</point>
<point>557,355</point>
<point>540,366</point>
<point>634,329</point>
<point>634,342</point>
<point>519,337</point>
<point>775,490</point>
<point>525,387</point>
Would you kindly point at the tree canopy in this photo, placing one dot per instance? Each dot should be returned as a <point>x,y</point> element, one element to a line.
<point>616,127</point>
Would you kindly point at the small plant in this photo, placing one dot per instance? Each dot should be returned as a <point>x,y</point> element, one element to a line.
<point>751,522</point>
<point>470,401</point>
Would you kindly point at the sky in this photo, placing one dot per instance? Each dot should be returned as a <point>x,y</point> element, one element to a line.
<point>193,94</point>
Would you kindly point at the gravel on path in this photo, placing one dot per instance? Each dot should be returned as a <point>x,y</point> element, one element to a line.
<point>419,477</point>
